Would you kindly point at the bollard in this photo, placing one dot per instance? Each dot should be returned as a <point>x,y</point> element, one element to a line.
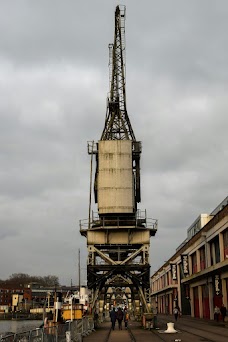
<point>170,328</point>
<point>68,336</point>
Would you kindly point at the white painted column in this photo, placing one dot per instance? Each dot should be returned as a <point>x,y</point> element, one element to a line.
<point>198,260</point>
<point>221,246</point>
<point>190,264</point>
<point>208,254</point>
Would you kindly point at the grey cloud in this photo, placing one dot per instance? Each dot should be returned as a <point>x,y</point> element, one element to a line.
<point>6,232</point>
<point>53,87</point>
<point>40,32</point>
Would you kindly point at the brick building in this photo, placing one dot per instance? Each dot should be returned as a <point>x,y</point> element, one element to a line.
<point>7,292</point>
<point>196,276</point>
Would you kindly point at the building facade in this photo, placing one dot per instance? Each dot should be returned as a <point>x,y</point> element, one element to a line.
<point>196,277</point>
<point>34,296</point>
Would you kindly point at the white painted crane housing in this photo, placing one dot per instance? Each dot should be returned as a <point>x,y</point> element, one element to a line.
<point>115,177</point>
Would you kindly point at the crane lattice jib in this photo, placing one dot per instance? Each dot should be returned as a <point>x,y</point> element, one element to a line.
<point>117,123</point>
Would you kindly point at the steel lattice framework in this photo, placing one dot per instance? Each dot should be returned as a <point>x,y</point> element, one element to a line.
<point>117,123</point>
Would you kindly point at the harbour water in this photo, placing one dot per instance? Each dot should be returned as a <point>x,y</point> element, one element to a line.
<point>18,326</point>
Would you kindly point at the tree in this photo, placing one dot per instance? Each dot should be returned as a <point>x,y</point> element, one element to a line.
<point>22,279</point>
<point>51,280</point>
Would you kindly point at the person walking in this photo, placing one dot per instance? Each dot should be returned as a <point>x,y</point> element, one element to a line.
<point>113,318</point>
<point>95,319</point>
<point>216,313</point>
<point>119,317</point>
<point>223,312</point>
<point>126,318</point>
<point>176,312</point>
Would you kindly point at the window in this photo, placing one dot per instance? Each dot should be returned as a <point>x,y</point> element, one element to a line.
<point>202,258</point>
<point>215,251</point>
<point>225,242</point>
<point>194,263</point>
<point>167,279</point>
<point>163,281</point>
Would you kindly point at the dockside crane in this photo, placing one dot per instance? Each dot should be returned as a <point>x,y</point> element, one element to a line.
<point>118,236</point>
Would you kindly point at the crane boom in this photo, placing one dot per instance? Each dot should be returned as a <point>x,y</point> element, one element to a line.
<point>117,123</point>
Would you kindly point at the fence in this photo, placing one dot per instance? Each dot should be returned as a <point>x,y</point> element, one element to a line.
<point>69,331</point>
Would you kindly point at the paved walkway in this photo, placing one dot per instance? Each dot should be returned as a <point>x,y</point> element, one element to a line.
<point>185,318</point>
<point>116,335</point>
<point>188,329</point>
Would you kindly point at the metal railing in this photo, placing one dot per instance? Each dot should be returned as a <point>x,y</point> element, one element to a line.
<point>69,331</point>
<point>137,221</point>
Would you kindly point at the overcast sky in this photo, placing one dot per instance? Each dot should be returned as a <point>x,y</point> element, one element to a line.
<point>54,81</point>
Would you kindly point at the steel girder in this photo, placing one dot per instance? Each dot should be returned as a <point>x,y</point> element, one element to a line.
<point>119,266</point>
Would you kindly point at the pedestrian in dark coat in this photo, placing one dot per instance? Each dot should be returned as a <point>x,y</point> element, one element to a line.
<point>126,318</point>
<point>176,312</point>
<point>113,318</point>
<point>216,313</point>
<point>95,319</point>
<point>223,312</point>
<point>119,317</point>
